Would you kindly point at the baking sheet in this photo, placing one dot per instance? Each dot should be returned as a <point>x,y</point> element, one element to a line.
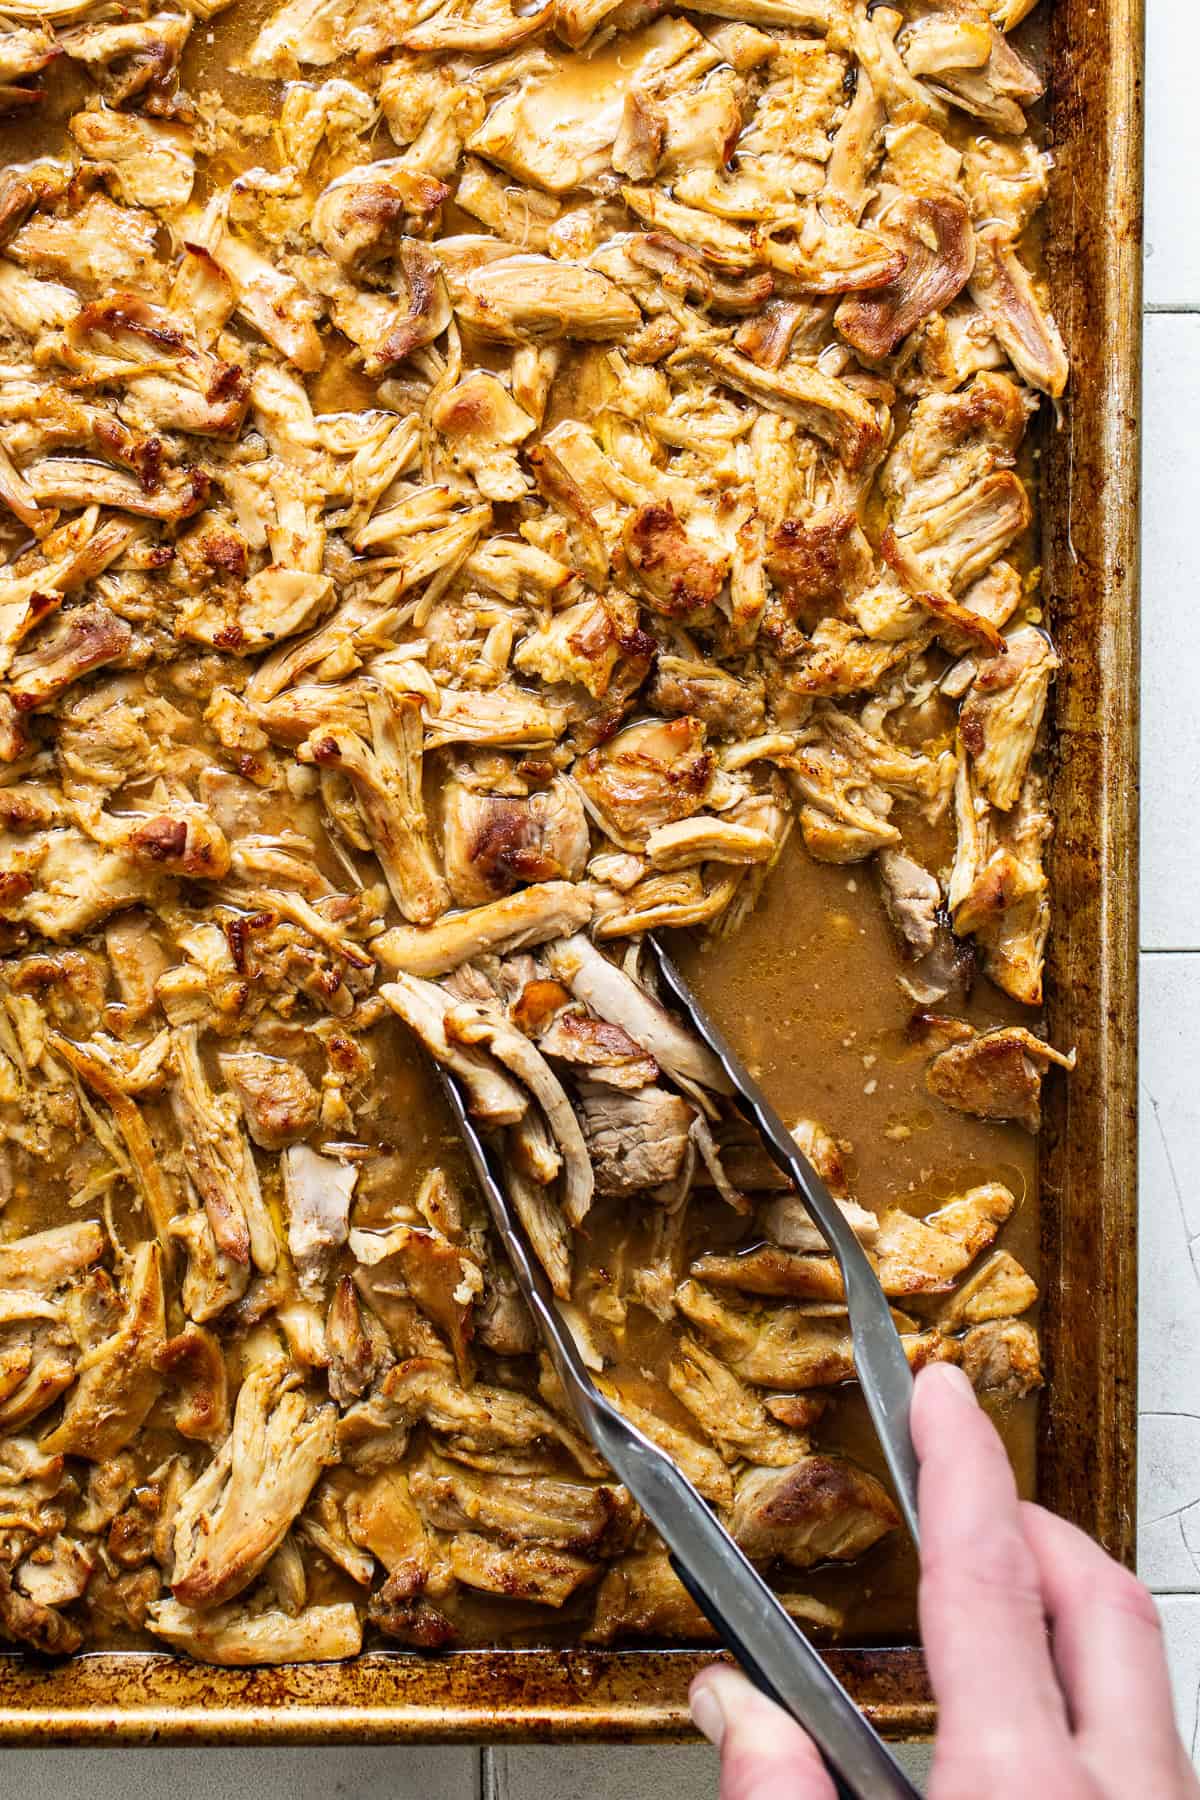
<point>1088,1148</point>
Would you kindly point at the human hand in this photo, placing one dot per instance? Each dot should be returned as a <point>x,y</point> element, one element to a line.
<point>1045,1655</point>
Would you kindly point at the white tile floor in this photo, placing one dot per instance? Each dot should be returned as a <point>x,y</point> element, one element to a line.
<point>1169,1397</point>
<point>1170,1095</point>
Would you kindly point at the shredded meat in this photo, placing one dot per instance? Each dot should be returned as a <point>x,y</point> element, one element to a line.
<point>460,511</point>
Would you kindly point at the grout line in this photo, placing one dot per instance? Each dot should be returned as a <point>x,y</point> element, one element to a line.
<point>1169,949</point>
<point>1171,306</point>
<point>493,1773</point>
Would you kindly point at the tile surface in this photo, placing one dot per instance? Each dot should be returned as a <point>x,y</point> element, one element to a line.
<point>1172,147</point>
<point>1169,1376</point>
<point>621,1774</point>
<point>1181,1627</point>
<point>1170,639</point>
<point>300,1774</point>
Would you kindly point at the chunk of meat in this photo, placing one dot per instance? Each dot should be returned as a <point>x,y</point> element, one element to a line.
<point>57,1573</point>
<point>818,563</point>
<point>704,1468</point>
<point>616,997</point>
<point>29,1622</point>
<point>935,233</point>
<point>119,1379</point>
<point>152,161</point>
<point>278,1101</point>
<point>1002,1359</point>
<point>819,403</point>
<point>443,1280</point>
<point>269,299</point>
<point>997,1075</point>
<point>317,1191</point>
<point>822,1509</point>
<point>642,1597</point>
<point>361,217</point>
<point>597,643</point>
<point>402,1612</point>
<point>212,1280</point>
<point>523,1509</point>
<point>83,639</point>
<point>194,1364</point>
<point>636,1141</point>
<point>999,889</point>
<point>480,1418</point>
<point>519,1571</point>
<point>606,1052</point>
<point>544,1223</point>
<point>998,1289</point>
<point>679,577</point>
<point>237,1640</point>
<point>493,1095</point>
<point>386,777</point>
<point>1003,291</point>
<point>1002,714</point>
<point>359,1352</point>
<point>472,1026</point>
<point>532,916</point>
<point>790,1346</point>
<point>46,1260</point>
<point>147,1172</point>
<point>788,1222</point>
<point>912,897</point>
<point>234,1517</point>
<point>220,1162</point>
<point>916,1256</point>
<point>533,299</point>
<point>495,843</point>
<point>729,1412</point>
<point>649,774</point>
<point>771,1271</point>
<point>482,424</point>
<point>726,705</point>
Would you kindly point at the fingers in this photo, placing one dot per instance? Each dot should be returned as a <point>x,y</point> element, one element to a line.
<point>764,1754</point>
<point>1109,1653</point>
<point>982,1618</point>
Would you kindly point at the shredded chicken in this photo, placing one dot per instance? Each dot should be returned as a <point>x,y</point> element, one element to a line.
<point>493,482</point>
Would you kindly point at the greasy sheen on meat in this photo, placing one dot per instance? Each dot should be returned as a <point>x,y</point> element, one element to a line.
<point>497,491</point>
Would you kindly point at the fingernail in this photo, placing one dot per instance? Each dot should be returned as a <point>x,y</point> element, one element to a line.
<point>708,1715</point>
<point>951,1378</point>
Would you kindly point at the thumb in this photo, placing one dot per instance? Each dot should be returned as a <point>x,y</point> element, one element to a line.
<point>764,1754</point>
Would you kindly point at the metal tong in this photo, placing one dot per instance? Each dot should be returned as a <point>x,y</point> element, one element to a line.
<point>726,1587</point>
<point>879,1360</point>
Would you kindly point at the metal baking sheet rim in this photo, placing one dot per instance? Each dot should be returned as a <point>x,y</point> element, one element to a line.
<point>1088,1172</point>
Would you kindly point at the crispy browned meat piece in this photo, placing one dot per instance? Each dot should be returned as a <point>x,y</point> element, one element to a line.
<point>236,1515</point>
<point>997,1075</point>
<point>29,1622</point>
<point>524,1509</point>
<point>493,843</point>
<point>279,1102</point>
<point>790,1346</point>
<point>730,1413</point>
<point>1002,1358</point>
<point>822,1509</point>
<point>121,1381</point>
<point>935,233</point>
